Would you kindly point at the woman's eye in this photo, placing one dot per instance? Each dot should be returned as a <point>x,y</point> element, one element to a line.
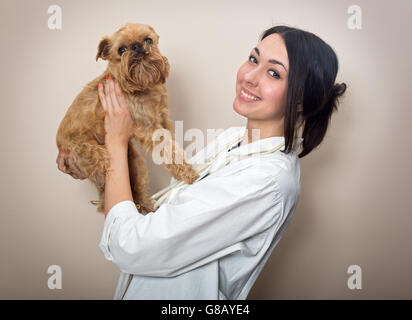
<point>252,59</point>
<point>148,40</point>
<point>274,74</point>
<point>121,50</point>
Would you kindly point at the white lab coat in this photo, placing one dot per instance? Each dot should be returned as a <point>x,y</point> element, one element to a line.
<point>210,239</point>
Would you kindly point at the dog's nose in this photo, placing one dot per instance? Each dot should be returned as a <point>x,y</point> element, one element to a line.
<point>137,47</point>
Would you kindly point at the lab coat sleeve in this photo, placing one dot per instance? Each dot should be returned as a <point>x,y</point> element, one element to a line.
<point>212,218</point>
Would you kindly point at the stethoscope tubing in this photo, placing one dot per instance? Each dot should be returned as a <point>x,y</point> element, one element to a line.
<point>162,194</point>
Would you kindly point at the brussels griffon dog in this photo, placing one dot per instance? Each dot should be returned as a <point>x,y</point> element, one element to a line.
<point>135,62</point>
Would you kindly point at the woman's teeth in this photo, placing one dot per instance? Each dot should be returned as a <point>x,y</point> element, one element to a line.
<point>248,96</point>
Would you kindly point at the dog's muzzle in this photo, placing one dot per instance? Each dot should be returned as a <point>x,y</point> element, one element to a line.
<point>138,49</point>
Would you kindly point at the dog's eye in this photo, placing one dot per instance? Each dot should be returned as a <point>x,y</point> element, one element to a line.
<point>148,40</point>
<point>121,50</point>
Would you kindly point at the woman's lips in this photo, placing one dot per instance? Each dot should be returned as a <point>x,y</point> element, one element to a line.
<point>248,96</point>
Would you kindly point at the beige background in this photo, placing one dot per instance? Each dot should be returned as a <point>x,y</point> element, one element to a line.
<point>353,208</point>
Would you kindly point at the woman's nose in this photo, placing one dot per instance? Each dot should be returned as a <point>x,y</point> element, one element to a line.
<point>252,77</point>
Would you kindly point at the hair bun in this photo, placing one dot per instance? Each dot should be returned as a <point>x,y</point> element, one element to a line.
<point>338,89</point>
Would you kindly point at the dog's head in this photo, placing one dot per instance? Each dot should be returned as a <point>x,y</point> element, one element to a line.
<point>134,57</point>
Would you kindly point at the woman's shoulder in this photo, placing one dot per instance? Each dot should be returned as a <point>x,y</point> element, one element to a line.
<point>282,170</point>
<point>285,170</point>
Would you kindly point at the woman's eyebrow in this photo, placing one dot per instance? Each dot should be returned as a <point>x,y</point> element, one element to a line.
<point>274,61</point>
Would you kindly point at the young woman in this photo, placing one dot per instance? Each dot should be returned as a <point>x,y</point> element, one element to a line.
<point>211,239</point>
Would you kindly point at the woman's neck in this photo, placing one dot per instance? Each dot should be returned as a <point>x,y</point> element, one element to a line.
<point>257,130</point>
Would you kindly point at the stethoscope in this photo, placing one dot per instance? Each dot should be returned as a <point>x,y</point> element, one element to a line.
<point>160,196</point>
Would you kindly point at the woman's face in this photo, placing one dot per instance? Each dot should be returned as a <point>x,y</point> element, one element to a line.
<point>261,84</point>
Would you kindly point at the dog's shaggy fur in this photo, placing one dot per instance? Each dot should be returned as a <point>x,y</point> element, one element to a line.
<point>141,72</point>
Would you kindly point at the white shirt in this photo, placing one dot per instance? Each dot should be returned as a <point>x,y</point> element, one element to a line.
<point>208,240</point>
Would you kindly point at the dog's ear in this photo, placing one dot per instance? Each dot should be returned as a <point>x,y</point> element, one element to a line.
<point>165,69</point>
<point>103,50</point>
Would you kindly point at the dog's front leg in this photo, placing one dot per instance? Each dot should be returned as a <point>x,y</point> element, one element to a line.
<point>179,168</point>
<point>166,151</point>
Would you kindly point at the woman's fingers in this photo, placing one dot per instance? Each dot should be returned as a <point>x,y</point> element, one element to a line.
<point>76,173</point>
<point>60,161</point>
<point>118,121</point>
<point>102,96</point>
<point>117,89</point>
<point>108,99</point>
<point>113,97</point>
<point>119,94</point>
<point>64,162</point>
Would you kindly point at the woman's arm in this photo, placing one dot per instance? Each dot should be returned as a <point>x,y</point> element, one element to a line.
<point>118,127</point>
<point>117,185</point>
<point>211,219</point>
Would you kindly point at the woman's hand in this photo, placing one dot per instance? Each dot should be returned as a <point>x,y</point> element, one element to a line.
<point>118,122</point>
<point>65,164</point>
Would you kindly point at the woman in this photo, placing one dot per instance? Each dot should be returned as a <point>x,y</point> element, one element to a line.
<point>211,239</point>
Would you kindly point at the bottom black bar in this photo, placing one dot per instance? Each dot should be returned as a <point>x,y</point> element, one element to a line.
<point>206,309</point>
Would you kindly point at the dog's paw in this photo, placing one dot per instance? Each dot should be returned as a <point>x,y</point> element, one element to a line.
<point>190,177</point>
<point>99,204</point>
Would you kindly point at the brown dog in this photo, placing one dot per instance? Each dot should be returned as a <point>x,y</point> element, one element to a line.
<point>141,71</point>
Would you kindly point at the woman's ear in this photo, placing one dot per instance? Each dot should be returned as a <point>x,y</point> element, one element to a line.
<point>103,50</point>
<point>299,107</point>
<point>300,118</point>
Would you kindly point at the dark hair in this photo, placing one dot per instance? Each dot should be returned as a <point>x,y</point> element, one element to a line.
<point>313,66</point>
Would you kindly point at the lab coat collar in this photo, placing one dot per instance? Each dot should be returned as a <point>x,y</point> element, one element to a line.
<point>260,145</point>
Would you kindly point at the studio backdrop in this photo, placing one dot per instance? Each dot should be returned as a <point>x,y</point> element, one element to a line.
<point>353,218</point>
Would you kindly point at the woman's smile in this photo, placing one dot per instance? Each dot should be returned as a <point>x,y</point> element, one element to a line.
<point>247,96</point>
